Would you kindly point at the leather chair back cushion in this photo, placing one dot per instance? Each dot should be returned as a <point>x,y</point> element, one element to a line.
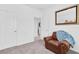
<point>54,36</point>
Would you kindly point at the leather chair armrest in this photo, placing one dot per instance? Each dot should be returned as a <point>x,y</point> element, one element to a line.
<point>66,43</point>
<point>64,46</point>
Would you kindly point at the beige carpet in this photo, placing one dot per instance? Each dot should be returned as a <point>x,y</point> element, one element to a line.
<point>36,47</point>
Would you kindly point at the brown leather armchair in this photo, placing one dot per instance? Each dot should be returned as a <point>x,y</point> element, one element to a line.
<point>52,44</point>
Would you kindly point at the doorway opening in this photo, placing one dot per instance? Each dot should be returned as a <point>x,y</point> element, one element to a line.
<point>37,22</point>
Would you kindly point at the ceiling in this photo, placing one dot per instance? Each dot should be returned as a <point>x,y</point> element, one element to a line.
<point>40,6</point>
<point>46,6</point>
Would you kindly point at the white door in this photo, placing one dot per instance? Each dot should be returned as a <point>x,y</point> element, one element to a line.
<point>7,30</point>
<point>25,29</point>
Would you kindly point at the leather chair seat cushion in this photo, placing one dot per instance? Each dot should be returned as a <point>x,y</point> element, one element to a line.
<point>53,42</point>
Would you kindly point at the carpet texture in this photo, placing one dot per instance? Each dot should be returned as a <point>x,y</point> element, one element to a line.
<point>36,47</point>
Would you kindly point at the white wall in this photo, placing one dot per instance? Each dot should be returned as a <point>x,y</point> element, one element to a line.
<point>16,25</point>
<point>48,25</point>
<point>25,24</point>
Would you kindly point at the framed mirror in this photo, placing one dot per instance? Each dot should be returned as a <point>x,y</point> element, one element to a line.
<point>66,16</point>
